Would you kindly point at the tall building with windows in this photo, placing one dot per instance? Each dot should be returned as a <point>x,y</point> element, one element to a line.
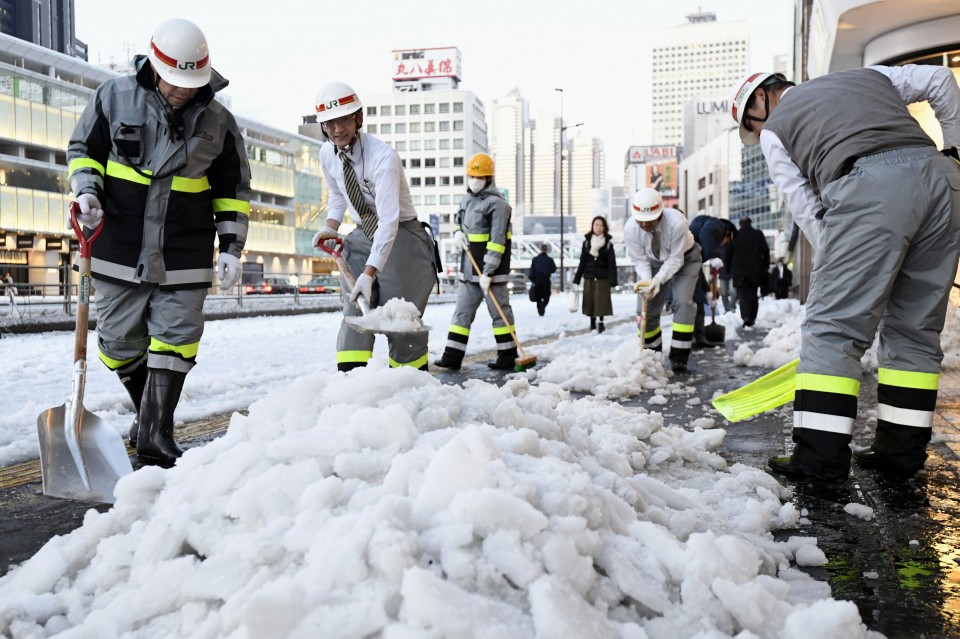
<point>42,94</point>
<point>586,171</point>
<point>47,23</point>
<point>435,132</point>
<point>701,57</point>
<point>541,168</point>
<point>509,141</point>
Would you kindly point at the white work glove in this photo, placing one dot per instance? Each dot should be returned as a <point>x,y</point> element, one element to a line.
<point>715,262</point>
<point>461,238</point>
<point>363,286</point>
<point>485,281</point>
<point>648,288</point>
<point>326,236</point>
<point>90,214</point>
<point>228,270</point>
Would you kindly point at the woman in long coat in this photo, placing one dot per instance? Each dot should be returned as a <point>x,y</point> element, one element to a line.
<point>598,270</point>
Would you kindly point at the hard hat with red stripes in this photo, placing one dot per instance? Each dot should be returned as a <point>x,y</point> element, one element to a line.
<point>647,205</point>
<point>335,100</point>
<point>741,95</point>
<point>178,53</point>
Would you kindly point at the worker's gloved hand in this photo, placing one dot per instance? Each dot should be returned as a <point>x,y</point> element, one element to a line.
<point>715,262</point>
<point>951,152</point>
<point>648,288</point>
<point>363,286</point>
<point>485,281</point>
<point>461,238</point>
<point>90,214</point>
<point>327,237</point>
<point>228,270</point>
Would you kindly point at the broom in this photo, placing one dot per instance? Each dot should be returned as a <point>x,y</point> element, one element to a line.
<point>525,361</point>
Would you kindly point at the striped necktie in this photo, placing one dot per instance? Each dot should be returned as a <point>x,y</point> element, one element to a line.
<point>368,219</point>
<point>655,244</point>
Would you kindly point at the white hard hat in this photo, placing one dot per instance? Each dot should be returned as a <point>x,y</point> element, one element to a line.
<point>647,205</point>
<point>178,53</point>
<point>335,100</point>
<point>741,94</point>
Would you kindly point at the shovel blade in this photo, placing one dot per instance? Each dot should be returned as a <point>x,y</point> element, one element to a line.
<point>715,332</point>
<point>85,466</point>
<point>770,391</point>
<point>356,324</point>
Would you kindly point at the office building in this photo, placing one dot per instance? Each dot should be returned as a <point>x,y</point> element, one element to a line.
<point>46,23</point>
<point>701,57</point>
<point>509,141</point>
<point>586,171</point>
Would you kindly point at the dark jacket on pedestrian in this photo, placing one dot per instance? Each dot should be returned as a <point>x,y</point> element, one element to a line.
<point>751,258</point>
<point>542,267</point>
<point>602,266</point>
<point>780,283</point>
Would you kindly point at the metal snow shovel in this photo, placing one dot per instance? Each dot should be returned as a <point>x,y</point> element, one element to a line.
<point>81,457</point>
<point>361,302</point>
<point>714,332</point>
<point>770,391</point>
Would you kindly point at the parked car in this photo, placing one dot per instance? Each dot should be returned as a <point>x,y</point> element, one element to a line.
<point>321,284</point>
<point>517,283</point>
<point>270,286</point>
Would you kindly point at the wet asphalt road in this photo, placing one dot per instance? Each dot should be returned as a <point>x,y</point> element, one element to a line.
<point>901,569</point>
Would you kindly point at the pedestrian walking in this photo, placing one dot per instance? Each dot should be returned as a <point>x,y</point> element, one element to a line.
<point>8,284</point>
<point>484,230</point>
<point>713,235</point>
<point>389,252</point>
<point>880,206</point>
<point>751,267</point>
<point>781,279</point>
<point>542,268</point>
<point>163,165</point>
<point>598,270</point>
<point>663,251</point>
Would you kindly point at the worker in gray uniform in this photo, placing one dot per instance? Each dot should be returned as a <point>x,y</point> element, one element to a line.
<point>484,231</point>
<point>880,206</point>
<point>164,164</point>
<point>390,252</point>
<point>662,249</point>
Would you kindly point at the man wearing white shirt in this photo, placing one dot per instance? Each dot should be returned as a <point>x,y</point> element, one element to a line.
<point>880,206</point>
<point>662,249</point>
<point>389,251</point>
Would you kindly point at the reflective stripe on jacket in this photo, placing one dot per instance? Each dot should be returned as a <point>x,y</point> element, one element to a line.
<point>485,219</point>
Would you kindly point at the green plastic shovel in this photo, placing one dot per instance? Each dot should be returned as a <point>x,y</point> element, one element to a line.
<point>770,391</point>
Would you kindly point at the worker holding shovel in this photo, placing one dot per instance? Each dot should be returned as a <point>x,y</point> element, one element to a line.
<point>880,206</point>
<point>484,236</point>
<point>390,252</point>
<point>663,250</point>
<point>163,165</point>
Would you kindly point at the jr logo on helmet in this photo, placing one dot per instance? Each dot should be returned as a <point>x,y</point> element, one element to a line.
<point>335,103</point>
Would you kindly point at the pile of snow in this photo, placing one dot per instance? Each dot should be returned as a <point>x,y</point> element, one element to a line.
<point>384,503</point>
<point>396,316</point>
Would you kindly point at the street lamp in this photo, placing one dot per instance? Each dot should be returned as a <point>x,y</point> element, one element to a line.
<point>563,130</point>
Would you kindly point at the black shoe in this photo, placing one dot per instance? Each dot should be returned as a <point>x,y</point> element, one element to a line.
<point>785,466</point>
<point>134,431</point>
<point>502,364</point>
<point>600,327</point>
<point>679,367</point>
<point>451,363</point>
<point>871,459</point>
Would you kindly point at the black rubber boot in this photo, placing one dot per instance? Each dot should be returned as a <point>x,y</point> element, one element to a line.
<point>134,380</point>
<point>155,443</point>
<point>506,360</point>
<point>450,359</point>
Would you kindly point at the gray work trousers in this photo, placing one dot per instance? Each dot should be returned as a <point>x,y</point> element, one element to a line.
<point>887,257</point>
<point>410,273</point>
<point>132,320</point>
<point>683,284</point>
<point>469,297</point>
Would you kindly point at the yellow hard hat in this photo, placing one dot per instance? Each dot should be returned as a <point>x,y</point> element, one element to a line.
<point>480,165</point>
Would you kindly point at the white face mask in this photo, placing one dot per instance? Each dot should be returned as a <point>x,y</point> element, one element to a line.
<point>476,184</point>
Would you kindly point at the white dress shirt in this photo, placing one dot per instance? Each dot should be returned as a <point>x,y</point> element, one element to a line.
<point>383,185</point>
<point>675,240</point>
